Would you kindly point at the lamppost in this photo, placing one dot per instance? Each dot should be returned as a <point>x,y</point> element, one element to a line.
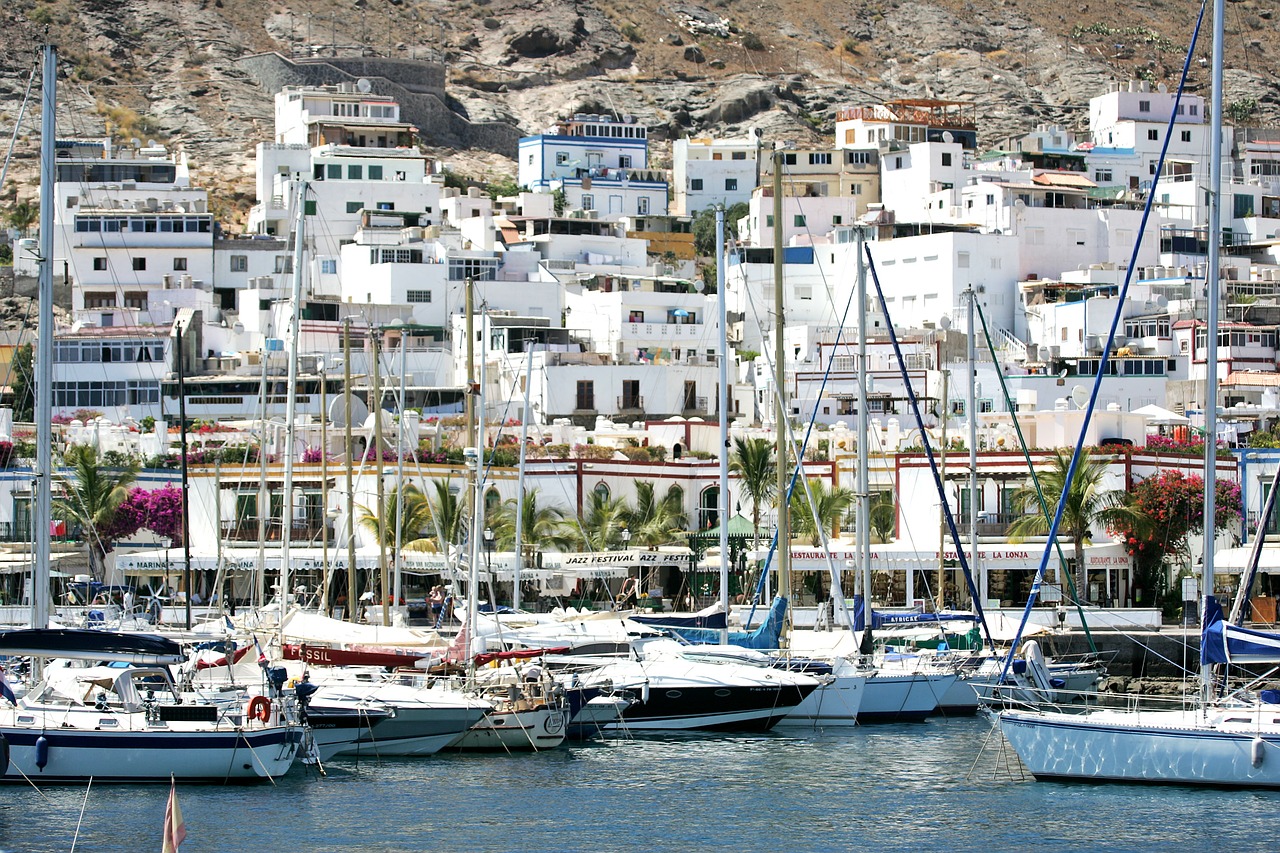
<point>487,536</point>
<point>626,538</point>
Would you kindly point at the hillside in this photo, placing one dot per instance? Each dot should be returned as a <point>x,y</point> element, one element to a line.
<point>174,71</point>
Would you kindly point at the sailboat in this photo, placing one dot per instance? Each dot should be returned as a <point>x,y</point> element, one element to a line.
<point>1226,741</point>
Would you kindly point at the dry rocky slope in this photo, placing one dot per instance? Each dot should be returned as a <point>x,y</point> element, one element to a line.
<point>183,71</point>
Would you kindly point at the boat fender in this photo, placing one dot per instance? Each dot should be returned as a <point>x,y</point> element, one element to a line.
<point>1259,751</point>
<point>259,709</point>
<point>644,693</point>
<point>4,755</point>
<point>42,751</point>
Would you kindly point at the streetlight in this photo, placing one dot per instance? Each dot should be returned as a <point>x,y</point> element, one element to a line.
<point>626,538</point>
<point>488,549</point>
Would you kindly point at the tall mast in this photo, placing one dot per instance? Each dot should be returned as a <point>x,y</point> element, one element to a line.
<point>971,404</point>
<point>862,533</point>
<point>291,401</point>
<point>40,592</point>
<point>723,406</point>
<point>780,392</point>
<point>524,446</point>
<point>398,582</point>
<point>375,399</point>
<point>477,513</point>
<point>1211,332</point>
<point>187,574</point>
<point>264,494</point>
<point>326,570</point>
<point>352,602</point>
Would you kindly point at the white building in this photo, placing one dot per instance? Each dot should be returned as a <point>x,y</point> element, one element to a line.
<point>709,172</point>
<point>599,164</point>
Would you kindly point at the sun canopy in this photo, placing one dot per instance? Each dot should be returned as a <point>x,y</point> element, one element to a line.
<point>1161,416</point>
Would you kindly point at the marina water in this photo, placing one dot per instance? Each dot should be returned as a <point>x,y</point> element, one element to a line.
<point>892,787</point>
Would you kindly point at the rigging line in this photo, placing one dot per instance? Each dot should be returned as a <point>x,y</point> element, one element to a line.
<point>1111,334</point>
<point>17,125</point>
<point>915,409</point>
<point>1035,478</point>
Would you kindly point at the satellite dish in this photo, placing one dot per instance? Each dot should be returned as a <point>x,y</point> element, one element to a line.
<point>338,410</point>
<point>944,322</point>
<point>1162,301</point>
<point>699,285</point>
<point>1080,396</point>
<point>364,86</point>
<point>1019,203</point>
<point>948,136</point>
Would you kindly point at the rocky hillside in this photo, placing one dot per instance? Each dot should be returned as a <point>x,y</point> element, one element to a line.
<point>175,70</point>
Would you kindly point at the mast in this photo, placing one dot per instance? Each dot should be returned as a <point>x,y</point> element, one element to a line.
<point>187,574</point>
<point>477,515</point>
<point>264,494</point>
<point>524,446</point>
<point>291,401</point>
<point>1211,332</point>
<point>942,475</point>
<point>41,601</point>
<point>723,406</point>
<point>375,397</point>
<point>351,496</point>
<point>862,533</point>
<point>971,404</point>
<point>398,582</point>
<point>780,392</point>
<point>325,568</point>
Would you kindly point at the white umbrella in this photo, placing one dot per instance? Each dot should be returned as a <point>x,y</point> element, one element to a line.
<point>1161,416</point>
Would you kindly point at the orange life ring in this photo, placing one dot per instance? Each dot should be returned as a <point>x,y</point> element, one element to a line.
<point>259,709</point>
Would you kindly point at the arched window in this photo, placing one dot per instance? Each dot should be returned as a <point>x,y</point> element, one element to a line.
<point>601,491</point>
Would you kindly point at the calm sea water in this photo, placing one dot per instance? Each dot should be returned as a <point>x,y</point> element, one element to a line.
<point>881,788</point>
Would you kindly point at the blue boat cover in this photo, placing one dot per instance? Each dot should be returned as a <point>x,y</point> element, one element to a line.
<point>1222,642</point>
<point>764,637</point>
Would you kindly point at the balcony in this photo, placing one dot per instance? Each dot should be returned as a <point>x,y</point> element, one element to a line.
<point>630,403</point>
<point>694,406</point>
<point>246,530</point>
<point>663,330</point>
<point>989,523</point>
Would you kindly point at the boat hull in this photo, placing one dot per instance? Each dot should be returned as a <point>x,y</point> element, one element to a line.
<point>903,698</point>
<point>537,729</point>
<point>835,703</point>
<point>722,708</point>
<point>421,730</point>
<point>1156,747</point>
<point>73,756</point>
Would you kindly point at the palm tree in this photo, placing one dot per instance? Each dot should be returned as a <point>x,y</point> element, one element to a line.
<point>90,497</point>
<point>414,518</point>
<point>753,462</point>
<point>603,520</point>
<point>884,515</point>
<point>541,526</point>
<point>446,513</point>
<point>23,215</point>
<point>829,505</point>
<point>655,522</point>
<point>1087,505</point>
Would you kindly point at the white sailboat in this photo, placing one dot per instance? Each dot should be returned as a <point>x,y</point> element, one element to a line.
<point>1231,741</point>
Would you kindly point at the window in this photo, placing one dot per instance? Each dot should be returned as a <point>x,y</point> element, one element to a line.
<point>137,299</point>
<point>386,205</point>
<point>588,201</point>
<point>789,159</point>
<point>946,158</point>
<point>962,260</point>
<point>586,396</point>
<point>630,395</point>
<point>1102,176</point>
<point>995,263</point>
<point>239,263</point>
<point>401,175</point>
<point>897,162</point>
<point>179,264</point>
<point>375,173</point>
<point>334,171</point>
<point>100,300</point>
<point>354,206</point>
<point>738,155</point>
<point>991,198</point>
<point>730,184</point>
<point>1186,136</point>
<point>855,189</point>
<point>139,264</point>
<point>329,266</point>
<point>1194,109</point>
<point>1153,134</point>
<point>799,220</point>
<point>417,297</point>
<point>820,158</point>
<point>624,161</point>
<point>284,264</point>
<point>562,158</point>
<point>1144,106</point>
<point>642,205</point>
<point>857,158</point>
<point>695,184</point>
<point>530,160</point>
<point>99,264</point>
<point>355,173</point>
<point>1243,205</point>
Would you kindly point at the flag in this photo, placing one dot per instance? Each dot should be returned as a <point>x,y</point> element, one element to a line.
<point>262,656</point>
<point>175,830</point>
<point>5,690</point>
<point>457,651</point>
